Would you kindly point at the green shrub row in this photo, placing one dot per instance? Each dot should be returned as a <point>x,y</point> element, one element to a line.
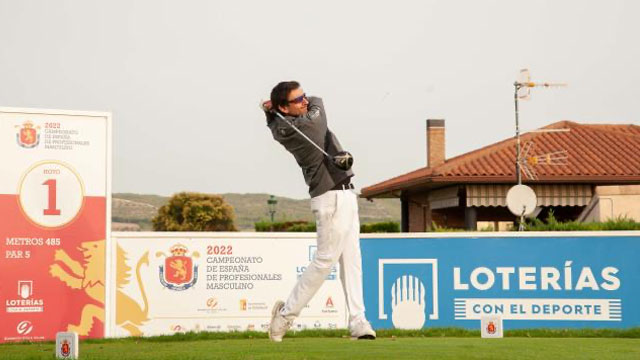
<point>549,224</point>
<point>305,226</point>
<point>285,226</point>
<point>380,227</point>
<point>552,224</point>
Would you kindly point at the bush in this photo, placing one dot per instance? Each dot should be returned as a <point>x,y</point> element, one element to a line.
<point>552,224</point>
<point>380,227</point>
<point>306,226</point>
<point>285,226</point>
<point>195,212</point>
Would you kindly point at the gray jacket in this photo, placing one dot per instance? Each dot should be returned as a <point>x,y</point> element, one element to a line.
<point>319,172</point>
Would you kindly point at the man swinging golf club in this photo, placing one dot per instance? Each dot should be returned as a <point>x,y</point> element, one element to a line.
<point>300,125</point>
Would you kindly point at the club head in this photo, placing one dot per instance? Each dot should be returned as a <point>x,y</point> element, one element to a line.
<point>343,160</point>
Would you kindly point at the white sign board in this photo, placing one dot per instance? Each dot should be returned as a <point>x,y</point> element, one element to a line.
<point>165,283</point>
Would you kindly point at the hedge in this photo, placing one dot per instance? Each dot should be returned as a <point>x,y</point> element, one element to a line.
<point>305,226</point>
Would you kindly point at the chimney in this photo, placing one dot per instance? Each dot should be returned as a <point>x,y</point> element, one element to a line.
<point>435,142</point>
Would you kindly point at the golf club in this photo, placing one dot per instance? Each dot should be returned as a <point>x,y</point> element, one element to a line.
<point>342,160</point>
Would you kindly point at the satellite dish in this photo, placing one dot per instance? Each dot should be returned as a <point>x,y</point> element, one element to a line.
<point>521,200</point>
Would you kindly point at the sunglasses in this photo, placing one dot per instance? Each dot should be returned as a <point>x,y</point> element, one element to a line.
<point>298,100</point>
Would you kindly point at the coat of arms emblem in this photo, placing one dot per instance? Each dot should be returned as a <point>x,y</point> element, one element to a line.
<point>28,136</point>
<point>65,348</point>
<point>491,328</point>
<point>178,271</point>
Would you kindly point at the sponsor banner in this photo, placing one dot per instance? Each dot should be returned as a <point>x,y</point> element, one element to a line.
<point>55,220</point>
<point>413,281</point>
<point>170,282</point>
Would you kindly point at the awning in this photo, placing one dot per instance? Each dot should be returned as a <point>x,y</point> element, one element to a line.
<point>548,195</point>
<point>444,198</point>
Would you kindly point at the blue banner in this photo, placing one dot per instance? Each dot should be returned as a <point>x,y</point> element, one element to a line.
<point>529,281</point>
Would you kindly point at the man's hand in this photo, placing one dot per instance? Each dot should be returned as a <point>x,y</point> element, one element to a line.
<point>266,105</point>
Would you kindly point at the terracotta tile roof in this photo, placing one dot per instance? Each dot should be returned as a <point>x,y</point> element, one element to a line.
<point>597,154</point>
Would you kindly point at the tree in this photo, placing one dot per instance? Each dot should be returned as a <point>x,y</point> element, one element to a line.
<point>195,212</point>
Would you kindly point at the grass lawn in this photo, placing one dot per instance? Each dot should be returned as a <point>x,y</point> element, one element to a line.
<point>195,346</point>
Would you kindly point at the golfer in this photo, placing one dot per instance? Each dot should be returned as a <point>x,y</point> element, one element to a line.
<point>333,203</point>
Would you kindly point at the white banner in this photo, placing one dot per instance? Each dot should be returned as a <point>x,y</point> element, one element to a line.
<point>175,282</point>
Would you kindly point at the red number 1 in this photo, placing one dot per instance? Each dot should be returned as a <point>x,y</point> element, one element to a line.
<point>52,198</point>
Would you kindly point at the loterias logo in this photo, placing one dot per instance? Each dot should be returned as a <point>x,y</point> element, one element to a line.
<point>313,249</point>
<point>534,278</point>
<point>25,303</point>
<point>25,288</point>
<point>545,280</point>
<point>409,287</point>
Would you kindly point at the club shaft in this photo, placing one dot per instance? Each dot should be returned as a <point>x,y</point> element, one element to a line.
<point>303,135</point>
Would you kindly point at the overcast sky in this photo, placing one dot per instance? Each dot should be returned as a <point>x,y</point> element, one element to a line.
<point>183,78</point>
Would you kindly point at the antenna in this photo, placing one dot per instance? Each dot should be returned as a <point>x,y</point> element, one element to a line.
<point>521,199</point>
<point>528,163</point>
<point>523,91</point>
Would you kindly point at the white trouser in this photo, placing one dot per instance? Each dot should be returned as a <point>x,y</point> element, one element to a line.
<point>338,228</point>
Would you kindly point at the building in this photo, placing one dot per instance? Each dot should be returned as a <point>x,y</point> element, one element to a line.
<point>599,180</point>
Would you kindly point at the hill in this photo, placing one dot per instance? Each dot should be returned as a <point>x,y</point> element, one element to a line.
<point>249,208</point>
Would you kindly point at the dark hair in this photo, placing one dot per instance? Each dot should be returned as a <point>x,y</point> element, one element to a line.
<point>280,93</point>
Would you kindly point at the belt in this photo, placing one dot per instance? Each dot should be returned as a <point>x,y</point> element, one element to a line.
<point>346,186</point>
